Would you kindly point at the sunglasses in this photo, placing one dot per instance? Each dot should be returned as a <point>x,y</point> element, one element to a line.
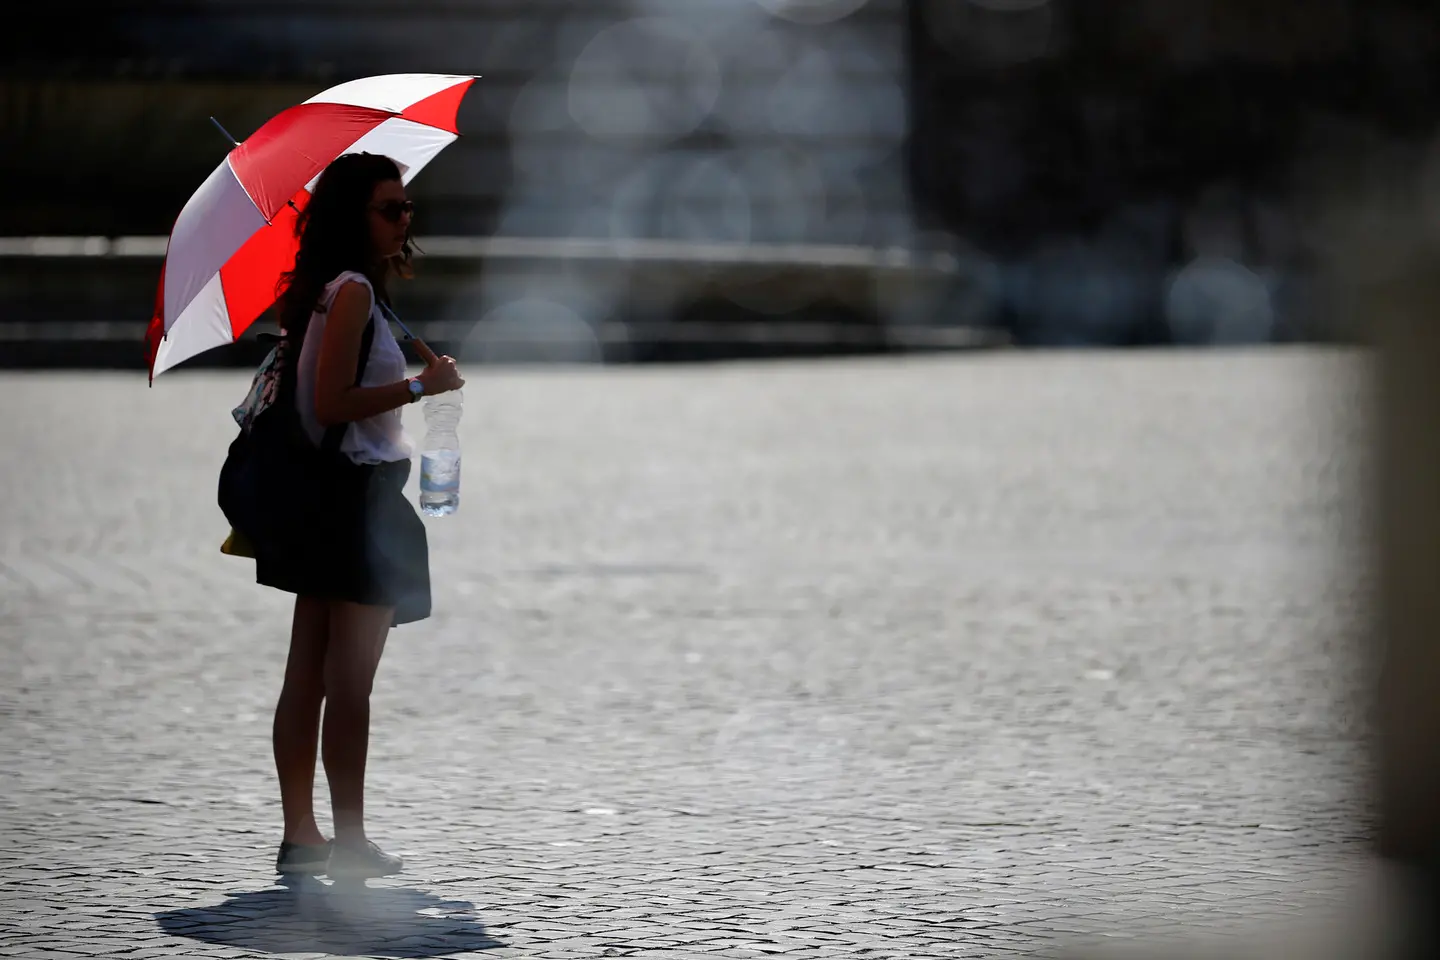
<point>393,210</point>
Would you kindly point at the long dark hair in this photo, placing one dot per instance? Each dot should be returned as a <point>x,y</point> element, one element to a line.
<point>334,232</point>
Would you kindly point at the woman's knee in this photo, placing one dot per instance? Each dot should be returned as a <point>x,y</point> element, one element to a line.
<point>348,683</point>
<point>357,637</point>
<point>307,682</point>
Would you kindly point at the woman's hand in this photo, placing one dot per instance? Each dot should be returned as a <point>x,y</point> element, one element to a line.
<point>440,374</point>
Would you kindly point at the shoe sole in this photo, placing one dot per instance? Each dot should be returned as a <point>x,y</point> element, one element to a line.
<point>362,874</point>
<point>302,869</point>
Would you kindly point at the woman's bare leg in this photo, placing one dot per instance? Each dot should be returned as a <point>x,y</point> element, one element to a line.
<point>296,731</point>
<point>357,639</point>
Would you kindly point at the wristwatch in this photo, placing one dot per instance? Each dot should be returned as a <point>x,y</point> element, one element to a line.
<point>417,389</point>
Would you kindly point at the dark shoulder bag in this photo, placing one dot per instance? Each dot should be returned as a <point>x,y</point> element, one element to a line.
<point>273,466</point>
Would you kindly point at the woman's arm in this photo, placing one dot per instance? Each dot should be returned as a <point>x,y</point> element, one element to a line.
<point>337,399</point>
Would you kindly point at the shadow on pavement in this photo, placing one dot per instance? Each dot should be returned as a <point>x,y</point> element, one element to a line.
<point>306,915</point>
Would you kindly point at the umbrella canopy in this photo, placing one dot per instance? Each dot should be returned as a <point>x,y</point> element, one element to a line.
<point>236,235</point>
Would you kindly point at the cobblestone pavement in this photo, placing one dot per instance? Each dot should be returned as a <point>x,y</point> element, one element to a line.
<point>955,657</point>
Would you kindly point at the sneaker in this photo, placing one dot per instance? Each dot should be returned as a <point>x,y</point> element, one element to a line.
<point>361,862</point>
<point>302,858</point>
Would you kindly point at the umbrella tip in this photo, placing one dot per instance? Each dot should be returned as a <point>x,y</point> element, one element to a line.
<point>225,133</point>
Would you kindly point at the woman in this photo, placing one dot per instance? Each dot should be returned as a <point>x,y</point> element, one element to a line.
<point>350,546</point>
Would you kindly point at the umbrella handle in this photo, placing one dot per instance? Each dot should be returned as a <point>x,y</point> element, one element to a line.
<point>396,317</point>
<point>421,347</point>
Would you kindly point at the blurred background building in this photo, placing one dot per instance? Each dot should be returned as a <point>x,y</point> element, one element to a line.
<point>667,179</point>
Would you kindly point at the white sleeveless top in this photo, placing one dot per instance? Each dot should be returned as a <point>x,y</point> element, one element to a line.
<point>378,439</point>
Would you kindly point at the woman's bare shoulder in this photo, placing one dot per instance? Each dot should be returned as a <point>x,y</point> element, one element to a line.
<point>353,301</point>
<point>354,289</point>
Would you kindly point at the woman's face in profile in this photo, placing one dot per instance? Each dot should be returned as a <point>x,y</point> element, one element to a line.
<point>390,215</point>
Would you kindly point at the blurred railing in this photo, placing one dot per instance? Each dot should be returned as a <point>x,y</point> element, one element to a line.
<point>662,300</point>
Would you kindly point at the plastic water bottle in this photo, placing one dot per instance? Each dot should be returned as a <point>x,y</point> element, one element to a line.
<point>440,455</point>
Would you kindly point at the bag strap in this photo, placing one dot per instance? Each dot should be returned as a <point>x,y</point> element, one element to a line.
<point>330,443</point>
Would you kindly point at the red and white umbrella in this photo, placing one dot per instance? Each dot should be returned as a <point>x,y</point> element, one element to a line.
<point>236,234</point>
